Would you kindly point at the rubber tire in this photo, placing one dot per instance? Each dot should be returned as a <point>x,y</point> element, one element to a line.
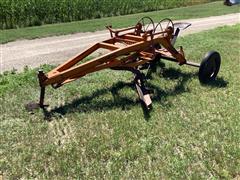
<point>209,67</point>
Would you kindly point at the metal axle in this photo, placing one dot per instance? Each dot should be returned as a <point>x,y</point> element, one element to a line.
<point>189,63</point>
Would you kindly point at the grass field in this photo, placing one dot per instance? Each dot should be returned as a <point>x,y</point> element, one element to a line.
<point>96,127</point>
<point>197,11</point>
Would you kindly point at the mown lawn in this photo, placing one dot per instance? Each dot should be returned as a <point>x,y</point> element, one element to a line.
<point>95,128</point>
<point>196,11</point>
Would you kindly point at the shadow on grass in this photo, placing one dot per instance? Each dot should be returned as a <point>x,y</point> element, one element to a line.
<point>92,103</point>
<point>219,82</point>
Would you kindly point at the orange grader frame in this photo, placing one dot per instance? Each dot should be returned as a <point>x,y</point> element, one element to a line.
<point>130,49</point>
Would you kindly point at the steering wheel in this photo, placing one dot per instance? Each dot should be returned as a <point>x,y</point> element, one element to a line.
<point>163,25</point>
<point>145,24</point>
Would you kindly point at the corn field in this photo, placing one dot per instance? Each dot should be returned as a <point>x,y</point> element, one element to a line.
<point>23,13</point>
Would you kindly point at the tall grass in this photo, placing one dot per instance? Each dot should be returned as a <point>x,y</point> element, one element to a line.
<point>22,13</point>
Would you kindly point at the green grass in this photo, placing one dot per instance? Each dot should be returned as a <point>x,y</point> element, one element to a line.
<point>197,11</point>
<point>24,13</point>
<point>95,128</point>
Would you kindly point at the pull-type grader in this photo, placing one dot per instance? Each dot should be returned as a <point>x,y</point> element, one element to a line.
<point>131,49</point>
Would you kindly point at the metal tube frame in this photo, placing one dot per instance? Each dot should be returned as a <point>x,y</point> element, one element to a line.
<point>126,52</point>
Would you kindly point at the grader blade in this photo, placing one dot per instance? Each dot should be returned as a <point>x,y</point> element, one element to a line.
<point>130,49</point>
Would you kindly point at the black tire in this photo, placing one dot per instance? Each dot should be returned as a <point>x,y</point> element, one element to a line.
<point>209,67</point>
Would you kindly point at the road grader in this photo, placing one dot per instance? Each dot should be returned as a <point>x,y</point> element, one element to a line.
<point>131,49</point>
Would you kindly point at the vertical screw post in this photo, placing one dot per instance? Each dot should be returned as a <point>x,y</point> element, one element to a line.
<point>41,77</point>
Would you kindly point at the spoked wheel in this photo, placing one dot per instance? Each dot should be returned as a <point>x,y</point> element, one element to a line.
<point>163,25</point>
<point>209,67</point>
<point>146,24</point>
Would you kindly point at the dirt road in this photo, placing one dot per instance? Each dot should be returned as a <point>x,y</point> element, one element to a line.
<point>55,50</point>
